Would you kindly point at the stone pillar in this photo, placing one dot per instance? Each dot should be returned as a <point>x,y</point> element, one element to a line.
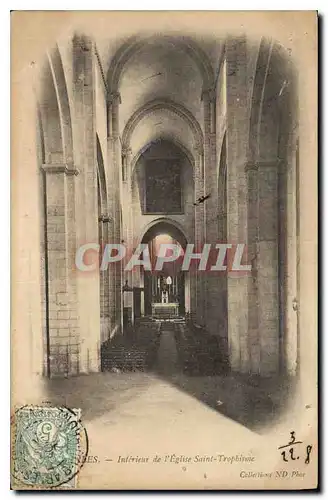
<point>291,270</point>
<point>111,238</point>
<point>210,207</point>
<point>115,101</point>
<point>127,195</point>
<point>62,322</point>
<point>115,184</point>
<point>197,278</point>
<point>222,237</point>
<point>253,293</point>
<point>126,165</point>
<point>86,200</point>
<point>263,252</point>
<point>109,117</point>
<point>237,148</point>
<point>104,221</point>
<point>127,209</point>
<point>267,266</point>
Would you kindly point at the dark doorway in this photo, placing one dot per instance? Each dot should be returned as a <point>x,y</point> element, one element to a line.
<point>164,289</point>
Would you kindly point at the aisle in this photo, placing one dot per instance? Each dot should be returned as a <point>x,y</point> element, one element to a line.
<point>167,356</point>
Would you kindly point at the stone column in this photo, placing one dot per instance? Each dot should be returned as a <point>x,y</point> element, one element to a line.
<point>291,270</point>
<point>111,238</point>
<point>267,266</point>
<point>127,210</point>
<point>127,194</point>
<point>253,292</point>
<point>104,221</point>
<point>197,278</point>
<point>126,165</point>
<point>62,322</point>
<point>210,207</point>
<point>86,201</point>
<point>114,195</point>
<point>263,289</point>
<point>237,148</point>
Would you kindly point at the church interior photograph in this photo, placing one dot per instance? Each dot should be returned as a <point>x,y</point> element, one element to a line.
<point>152,141</point>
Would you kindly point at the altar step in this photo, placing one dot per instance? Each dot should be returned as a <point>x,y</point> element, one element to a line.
<point>150,320</point>
<point>164,311</point>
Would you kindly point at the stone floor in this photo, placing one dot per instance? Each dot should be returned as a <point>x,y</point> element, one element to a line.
<point>252,403</point>
<point>164,411</point>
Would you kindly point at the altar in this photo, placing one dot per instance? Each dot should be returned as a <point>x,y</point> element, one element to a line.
<point>165,310</point>
<point>164,295</point>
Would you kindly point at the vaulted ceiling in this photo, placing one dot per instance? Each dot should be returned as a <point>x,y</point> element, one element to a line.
<point>159,69</point>
<point>172,70</point>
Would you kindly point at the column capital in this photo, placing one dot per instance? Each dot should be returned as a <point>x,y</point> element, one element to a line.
<point>208,95</point>
<point>56,168</point>
<point>105,218</point>
<point>126,158</point>
<point>198,148</point>
<point>126,151</point>
<point>263,164</point>
<point>114,98</point>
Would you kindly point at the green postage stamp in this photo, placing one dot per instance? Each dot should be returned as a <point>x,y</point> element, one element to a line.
<point>49,447</point>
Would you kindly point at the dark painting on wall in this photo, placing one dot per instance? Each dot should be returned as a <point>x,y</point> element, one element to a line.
<point>163,186</point>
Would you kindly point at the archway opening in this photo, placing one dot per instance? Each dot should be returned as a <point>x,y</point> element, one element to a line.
<point>166,286</point>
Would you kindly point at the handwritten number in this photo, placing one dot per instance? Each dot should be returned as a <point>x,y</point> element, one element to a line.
<point>292,441</point>
<point>308,451</point>
<point>292,437</point>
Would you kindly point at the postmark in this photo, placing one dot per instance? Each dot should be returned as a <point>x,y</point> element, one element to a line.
<point>50,445</point>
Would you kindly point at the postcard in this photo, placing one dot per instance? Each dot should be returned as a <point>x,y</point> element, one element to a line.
<point>164,250</point>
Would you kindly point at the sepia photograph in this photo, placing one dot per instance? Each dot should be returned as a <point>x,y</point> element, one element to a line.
<point>164,287</point>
